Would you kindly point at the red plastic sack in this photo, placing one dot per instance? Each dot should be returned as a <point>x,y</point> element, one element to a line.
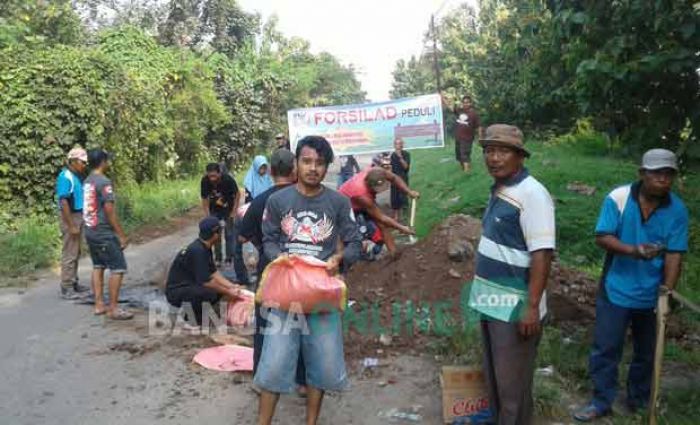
<point>240,312</point>
<point>301,283</point>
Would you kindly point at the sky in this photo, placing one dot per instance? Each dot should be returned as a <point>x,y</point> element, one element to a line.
<point>370,34</point>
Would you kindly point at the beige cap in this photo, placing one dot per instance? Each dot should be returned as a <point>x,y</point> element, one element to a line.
<point>504,135</point>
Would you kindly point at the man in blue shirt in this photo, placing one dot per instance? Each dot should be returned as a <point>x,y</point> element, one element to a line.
<point>644,229</point>
<point>69,193</point>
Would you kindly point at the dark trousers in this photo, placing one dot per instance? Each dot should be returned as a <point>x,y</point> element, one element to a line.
<point>399,200</point>
<point>227,236</point>
<point>259,338</point>
<point>509,366</point>
<point>463,150</point>
<point>611,326</point>
<point>196,295</point>
<point>238,263</point>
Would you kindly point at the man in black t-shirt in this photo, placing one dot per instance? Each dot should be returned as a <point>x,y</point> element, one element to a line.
<point>400,165</point>
<point>250,227</point>
<point>220,197</point>
<point>193,277</point>
<point>281,142</point>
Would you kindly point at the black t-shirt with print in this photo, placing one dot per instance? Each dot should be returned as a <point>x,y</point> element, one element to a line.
<point>222,196</point>
<point>193,266</point>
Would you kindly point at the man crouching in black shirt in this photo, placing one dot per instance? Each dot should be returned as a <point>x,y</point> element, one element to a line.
<point>193,277</point>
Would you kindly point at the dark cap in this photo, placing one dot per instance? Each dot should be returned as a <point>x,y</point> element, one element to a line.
<point>504,135</point>
<point>282,161</point>
<point>208,226</point>
<point>97,156</point>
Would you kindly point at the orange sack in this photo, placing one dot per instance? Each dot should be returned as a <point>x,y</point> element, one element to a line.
<point>301,282</point>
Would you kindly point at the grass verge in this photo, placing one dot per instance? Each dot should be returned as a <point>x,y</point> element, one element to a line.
<point>446,190</point>
<point>33,242</point>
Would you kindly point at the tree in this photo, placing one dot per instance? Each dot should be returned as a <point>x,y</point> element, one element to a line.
<point>413,78</point>
<point>631,66</point>
<point>36,21</point>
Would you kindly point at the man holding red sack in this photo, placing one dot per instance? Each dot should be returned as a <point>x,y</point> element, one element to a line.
<point>306,219</point>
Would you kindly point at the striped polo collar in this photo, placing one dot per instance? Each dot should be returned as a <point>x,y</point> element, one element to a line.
<point>514,180</point>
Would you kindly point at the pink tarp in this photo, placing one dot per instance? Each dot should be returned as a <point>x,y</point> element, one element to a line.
<point>226,358</point>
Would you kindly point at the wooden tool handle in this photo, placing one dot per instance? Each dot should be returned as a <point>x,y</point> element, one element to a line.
<point>412,221</point>
<point>661,312</point>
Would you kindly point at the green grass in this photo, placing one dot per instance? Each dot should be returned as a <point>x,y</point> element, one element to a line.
<point>33,242</point>
<point>156,202</point>
<point>446,190</point>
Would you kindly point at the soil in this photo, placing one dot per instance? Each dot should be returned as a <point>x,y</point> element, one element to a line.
<point>425,274</point>
<point>149,232</point>
<point>418,273</point>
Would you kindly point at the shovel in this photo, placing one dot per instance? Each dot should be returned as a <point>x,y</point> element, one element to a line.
<point>412,221</point>
<point>661,313</point>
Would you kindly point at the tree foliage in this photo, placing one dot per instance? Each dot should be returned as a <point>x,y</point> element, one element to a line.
<point>162,106</point>
<point>632,66</point>
<point>413,77</point>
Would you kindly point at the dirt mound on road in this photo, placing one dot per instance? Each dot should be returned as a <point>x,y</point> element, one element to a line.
<point>395,301</point>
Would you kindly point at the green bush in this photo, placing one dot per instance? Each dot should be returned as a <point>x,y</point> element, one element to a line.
<point>149,105</point>
<point>583,139</point>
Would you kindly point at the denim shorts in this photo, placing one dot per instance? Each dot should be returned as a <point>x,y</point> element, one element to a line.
<point>106,253</point>
<point>319,337</point>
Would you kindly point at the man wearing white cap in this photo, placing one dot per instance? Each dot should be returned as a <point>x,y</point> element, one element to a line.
<point>643,228</point>
<point>69,193</point>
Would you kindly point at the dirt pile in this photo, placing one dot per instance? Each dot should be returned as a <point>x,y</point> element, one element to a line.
<point>424,284</point>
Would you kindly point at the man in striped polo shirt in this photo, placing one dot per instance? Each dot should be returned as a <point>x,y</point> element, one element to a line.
<point>512,266</point>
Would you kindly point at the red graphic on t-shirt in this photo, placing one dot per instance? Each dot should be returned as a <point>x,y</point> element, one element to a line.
<point>90,205</point>
<point>306,230</point>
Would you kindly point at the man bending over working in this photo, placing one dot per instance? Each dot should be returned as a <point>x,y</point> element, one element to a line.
<point>362,190</point>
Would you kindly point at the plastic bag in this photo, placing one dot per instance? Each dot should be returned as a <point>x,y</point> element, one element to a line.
<point>301,283</point>
<point>240,312</point>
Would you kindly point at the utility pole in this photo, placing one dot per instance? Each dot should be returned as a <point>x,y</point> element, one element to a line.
<point>435,53</point>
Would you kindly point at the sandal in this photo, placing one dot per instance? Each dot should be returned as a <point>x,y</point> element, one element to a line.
<point>120,314</point>
<point>590,413</point>
<point>100,312</point>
